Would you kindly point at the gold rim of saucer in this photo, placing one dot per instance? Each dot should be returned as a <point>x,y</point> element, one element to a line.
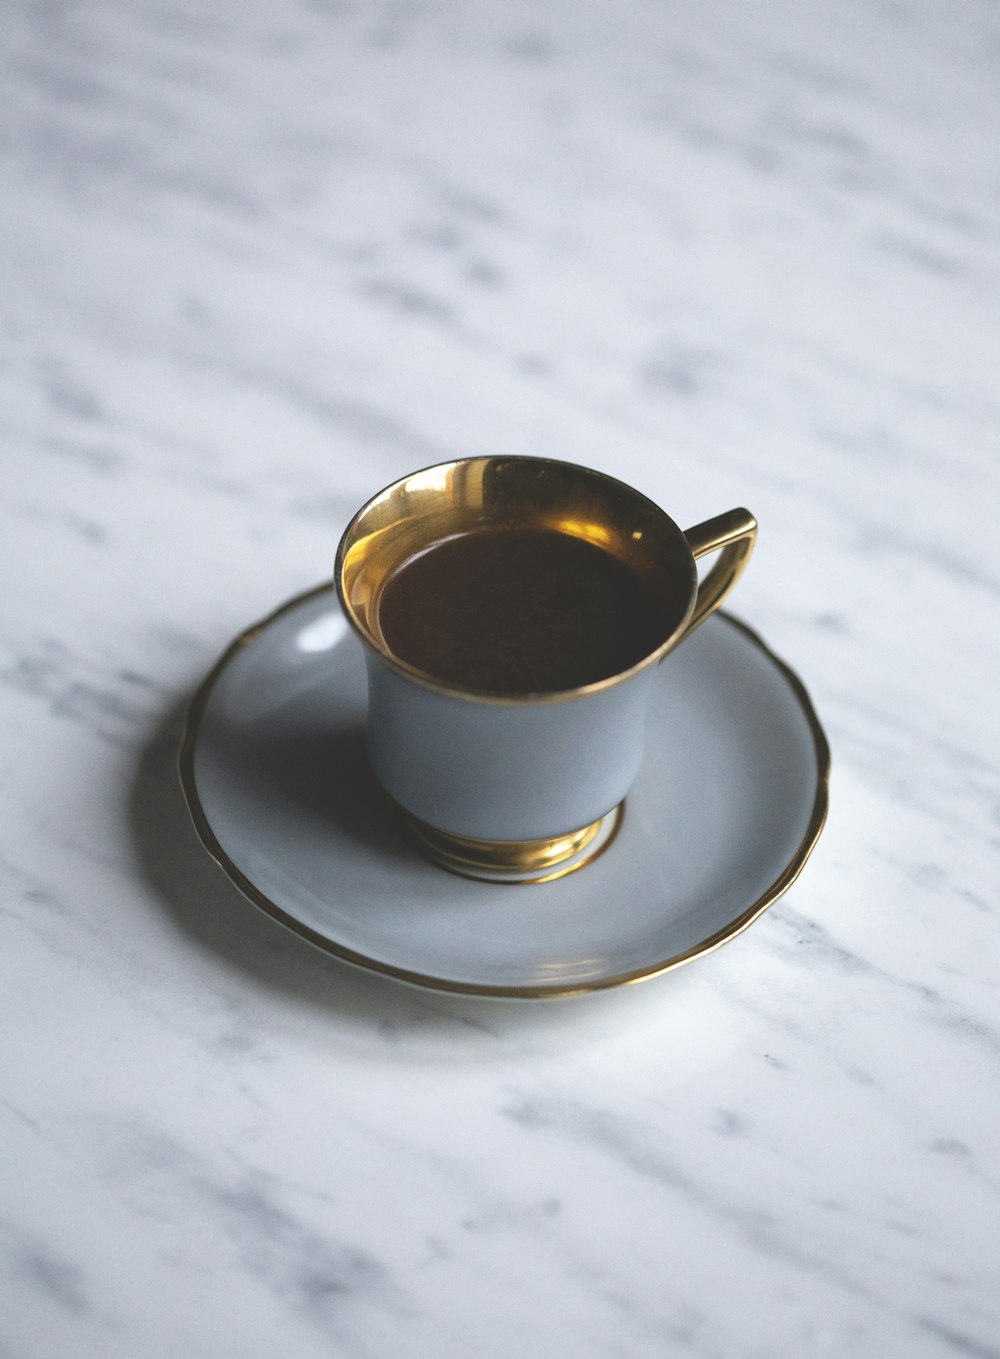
<point>520,991</point>
<point>511,861</point>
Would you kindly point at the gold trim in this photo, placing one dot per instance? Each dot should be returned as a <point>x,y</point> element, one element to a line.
<point>746,918</point>
<point>448,498</point>
<point>733,535</point>
<point>526,861</point>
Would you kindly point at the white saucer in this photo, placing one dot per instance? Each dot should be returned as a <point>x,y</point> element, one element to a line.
<point>727,808</point>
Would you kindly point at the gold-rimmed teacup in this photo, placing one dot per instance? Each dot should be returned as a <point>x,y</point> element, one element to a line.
<point>520,787</point>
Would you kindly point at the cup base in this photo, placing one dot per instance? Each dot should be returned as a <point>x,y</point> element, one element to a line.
<point>512,861</point>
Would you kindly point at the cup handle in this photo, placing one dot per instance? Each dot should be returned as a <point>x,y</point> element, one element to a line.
<point>733,535</point>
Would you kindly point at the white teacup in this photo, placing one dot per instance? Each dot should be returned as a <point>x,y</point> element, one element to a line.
<point>520,786</point>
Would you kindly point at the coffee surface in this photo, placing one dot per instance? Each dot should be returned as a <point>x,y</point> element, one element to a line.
<point>518,611</point>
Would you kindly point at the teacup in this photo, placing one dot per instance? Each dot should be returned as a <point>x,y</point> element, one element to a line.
<point>496,778</point>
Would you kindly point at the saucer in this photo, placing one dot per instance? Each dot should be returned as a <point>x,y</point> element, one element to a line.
<point>728,805</point>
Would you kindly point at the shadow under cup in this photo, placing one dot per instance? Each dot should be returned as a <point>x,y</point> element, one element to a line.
<point>520,787</point>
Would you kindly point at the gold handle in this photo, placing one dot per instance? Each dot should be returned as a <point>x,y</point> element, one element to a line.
<point>733,534</point>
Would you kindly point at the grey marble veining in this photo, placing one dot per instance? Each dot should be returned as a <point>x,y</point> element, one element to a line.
<point>259,261</point>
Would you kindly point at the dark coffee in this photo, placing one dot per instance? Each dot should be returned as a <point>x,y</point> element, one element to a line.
<point>519,611</point>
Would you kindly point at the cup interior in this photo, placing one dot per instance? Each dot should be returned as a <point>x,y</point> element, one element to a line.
<point>525,493</point>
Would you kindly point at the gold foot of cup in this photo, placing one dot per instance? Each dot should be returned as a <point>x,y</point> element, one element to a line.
<point>513,861</point>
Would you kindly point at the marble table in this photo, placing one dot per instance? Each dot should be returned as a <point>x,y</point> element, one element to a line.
<point>260,260</point>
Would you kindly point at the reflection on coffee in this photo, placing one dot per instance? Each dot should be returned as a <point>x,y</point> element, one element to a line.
<point>520,611</point>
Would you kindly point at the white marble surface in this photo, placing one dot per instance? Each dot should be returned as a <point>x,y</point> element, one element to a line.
<point>259,260</point>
